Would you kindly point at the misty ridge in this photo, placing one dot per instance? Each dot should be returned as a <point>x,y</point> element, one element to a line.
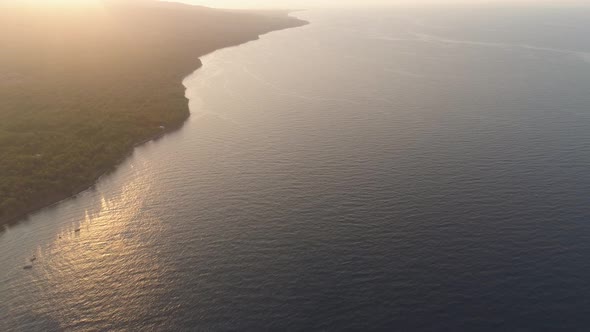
<point>80,86</point>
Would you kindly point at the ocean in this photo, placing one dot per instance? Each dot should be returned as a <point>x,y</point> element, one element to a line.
<point>399,169</point>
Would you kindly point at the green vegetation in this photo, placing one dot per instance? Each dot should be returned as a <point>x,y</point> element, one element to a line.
<point>80,87</point>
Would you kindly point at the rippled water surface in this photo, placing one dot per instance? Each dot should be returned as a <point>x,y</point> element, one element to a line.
<point>408,169</point>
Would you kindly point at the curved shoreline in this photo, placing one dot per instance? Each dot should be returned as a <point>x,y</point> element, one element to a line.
<point>50,202</point>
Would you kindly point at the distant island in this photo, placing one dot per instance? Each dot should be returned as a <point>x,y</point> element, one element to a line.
<point>80,87</point>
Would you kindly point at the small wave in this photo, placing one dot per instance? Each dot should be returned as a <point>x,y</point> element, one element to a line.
<point>428,38</point>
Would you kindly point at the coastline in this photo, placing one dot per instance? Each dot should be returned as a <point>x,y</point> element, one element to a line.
<point>54,200</point>
<point>58,199</point>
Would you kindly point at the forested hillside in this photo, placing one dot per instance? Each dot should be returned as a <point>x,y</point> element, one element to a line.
<point>80,87</point>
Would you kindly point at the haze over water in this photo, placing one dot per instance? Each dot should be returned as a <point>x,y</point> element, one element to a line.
<point>408,169</point>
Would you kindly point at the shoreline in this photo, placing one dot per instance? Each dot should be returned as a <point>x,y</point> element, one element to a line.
<point>50,202</point>
<point>58,199</point>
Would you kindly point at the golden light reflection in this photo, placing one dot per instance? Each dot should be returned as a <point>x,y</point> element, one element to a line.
<point>101,271</point>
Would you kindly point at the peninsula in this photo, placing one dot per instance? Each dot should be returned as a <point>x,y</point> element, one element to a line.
<point>80,87</point>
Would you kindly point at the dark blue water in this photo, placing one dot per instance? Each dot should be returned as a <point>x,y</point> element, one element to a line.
<point>409,169</point>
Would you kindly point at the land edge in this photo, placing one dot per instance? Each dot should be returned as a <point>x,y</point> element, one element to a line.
<point>50,202</point>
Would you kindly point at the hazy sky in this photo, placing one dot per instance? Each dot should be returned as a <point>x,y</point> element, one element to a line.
<point>347,3</point>
<point>302,4</point>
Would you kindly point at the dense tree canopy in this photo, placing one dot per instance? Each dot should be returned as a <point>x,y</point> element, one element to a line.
<point>79,88</point>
